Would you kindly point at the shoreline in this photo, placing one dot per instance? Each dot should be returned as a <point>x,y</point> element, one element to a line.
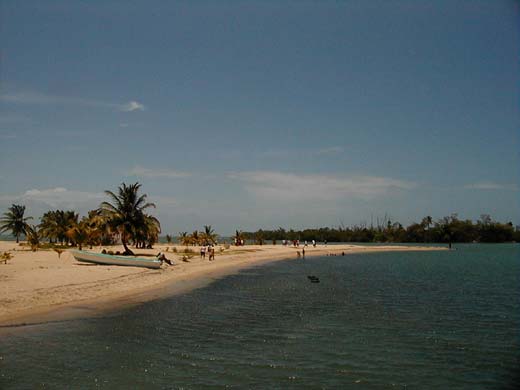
<point>40,287</point>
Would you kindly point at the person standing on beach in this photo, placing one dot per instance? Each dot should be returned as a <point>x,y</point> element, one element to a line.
<point>203,252</point>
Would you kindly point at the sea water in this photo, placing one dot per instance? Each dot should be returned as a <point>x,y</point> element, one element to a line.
<point>421,320</point>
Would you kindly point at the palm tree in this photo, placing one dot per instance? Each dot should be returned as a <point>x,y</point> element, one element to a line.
<point>208,236</point>
<point>426,222</point>
<point>79,234</point>
<point>99,231</point>
<point>126,212</point>
<point>55,225</point>
<point>195,238</point>
<point>184,238</point>
<point>147,233</point>
<point>14,221</point>
<point>239,236</point>
<point>33,237</point>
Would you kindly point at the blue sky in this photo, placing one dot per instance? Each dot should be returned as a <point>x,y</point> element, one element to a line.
<point>263,114</point>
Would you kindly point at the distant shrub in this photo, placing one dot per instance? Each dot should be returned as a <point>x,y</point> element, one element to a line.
<point>5,256</point>
<point>189,250</point>
<point>174,249</point>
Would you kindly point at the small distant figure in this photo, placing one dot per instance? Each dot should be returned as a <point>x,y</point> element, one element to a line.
<point>203,252</point>
<point>305,243</point>
<point>211,254</point>
<point>314,243</point>
<point>104,251</point>
<point>303,252</point>
<point>298,254</point>
<point>342,253</point>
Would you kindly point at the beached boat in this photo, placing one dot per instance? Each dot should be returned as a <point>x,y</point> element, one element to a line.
<point>105,259</point>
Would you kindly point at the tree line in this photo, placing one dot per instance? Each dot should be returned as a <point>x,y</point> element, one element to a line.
<point>122,218</point>
<point>445,230</point>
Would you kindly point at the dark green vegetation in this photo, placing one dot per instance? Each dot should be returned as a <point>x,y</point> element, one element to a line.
<point>445,230</point>
<point>206,237</point>
<point>14,221</point>
<point>122,219</point>
<point>126,217</point>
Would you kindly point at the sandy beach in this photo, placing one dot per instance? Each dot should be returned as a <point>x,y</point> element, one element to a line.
<point>38,286</point>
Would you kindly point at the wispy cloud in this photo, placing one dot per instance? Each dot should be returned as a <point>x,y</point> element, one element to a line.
<point>30,97</point>
<point>329,151</point>
<point>57,197</point>
<point>489,185</point>
<point>304,152</point>
<point>288,186</point>
<point>132,106</point>
<point>157,173</point>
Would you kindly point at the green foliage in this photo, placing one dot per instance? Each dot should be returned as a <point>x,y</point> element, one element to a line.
<point>445,230</point>
<point>55,224</point>
<point>125,215</point>
<point>33,237</point>
<point>13,220</point>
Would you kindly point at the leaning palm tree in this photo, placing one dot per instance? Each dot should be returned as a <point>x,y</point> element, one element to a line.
<point>125,213</point>
<point>14,221</point>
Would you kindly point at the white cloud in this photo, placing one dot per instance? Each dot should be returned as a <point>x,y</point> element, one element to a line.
<point>132,106</point>
<point>30,97</point>
<point>488,185</point>
<point>7,136</point>
<point>329,151</point>
<point>55,198</point>
<point>286,186</point>
<point>165,173</point>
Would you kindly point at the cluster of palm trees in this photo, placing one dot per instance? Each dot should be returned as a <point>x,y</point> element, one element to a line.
<point>206,237</point>
<point>124,218</point>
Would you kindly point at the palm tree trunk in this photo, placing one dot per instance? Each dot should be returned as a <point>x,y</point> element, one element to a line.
<point>127,250</point>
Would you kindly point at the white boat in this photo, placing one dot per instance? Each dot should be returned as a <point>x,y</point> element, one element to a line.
<point>101,258</point>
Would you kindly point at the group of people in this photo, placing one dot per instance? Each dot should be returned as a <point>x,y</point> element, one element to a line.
<point>210,250</point>
<point>296,243</point>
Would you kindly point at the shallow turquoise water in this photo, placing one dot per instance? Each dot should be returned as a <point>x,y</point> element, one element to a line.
<point>428,320</point>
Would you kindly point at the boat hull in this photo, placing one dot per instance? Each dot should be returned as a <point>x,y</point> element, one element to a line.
<point>104,259</point>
